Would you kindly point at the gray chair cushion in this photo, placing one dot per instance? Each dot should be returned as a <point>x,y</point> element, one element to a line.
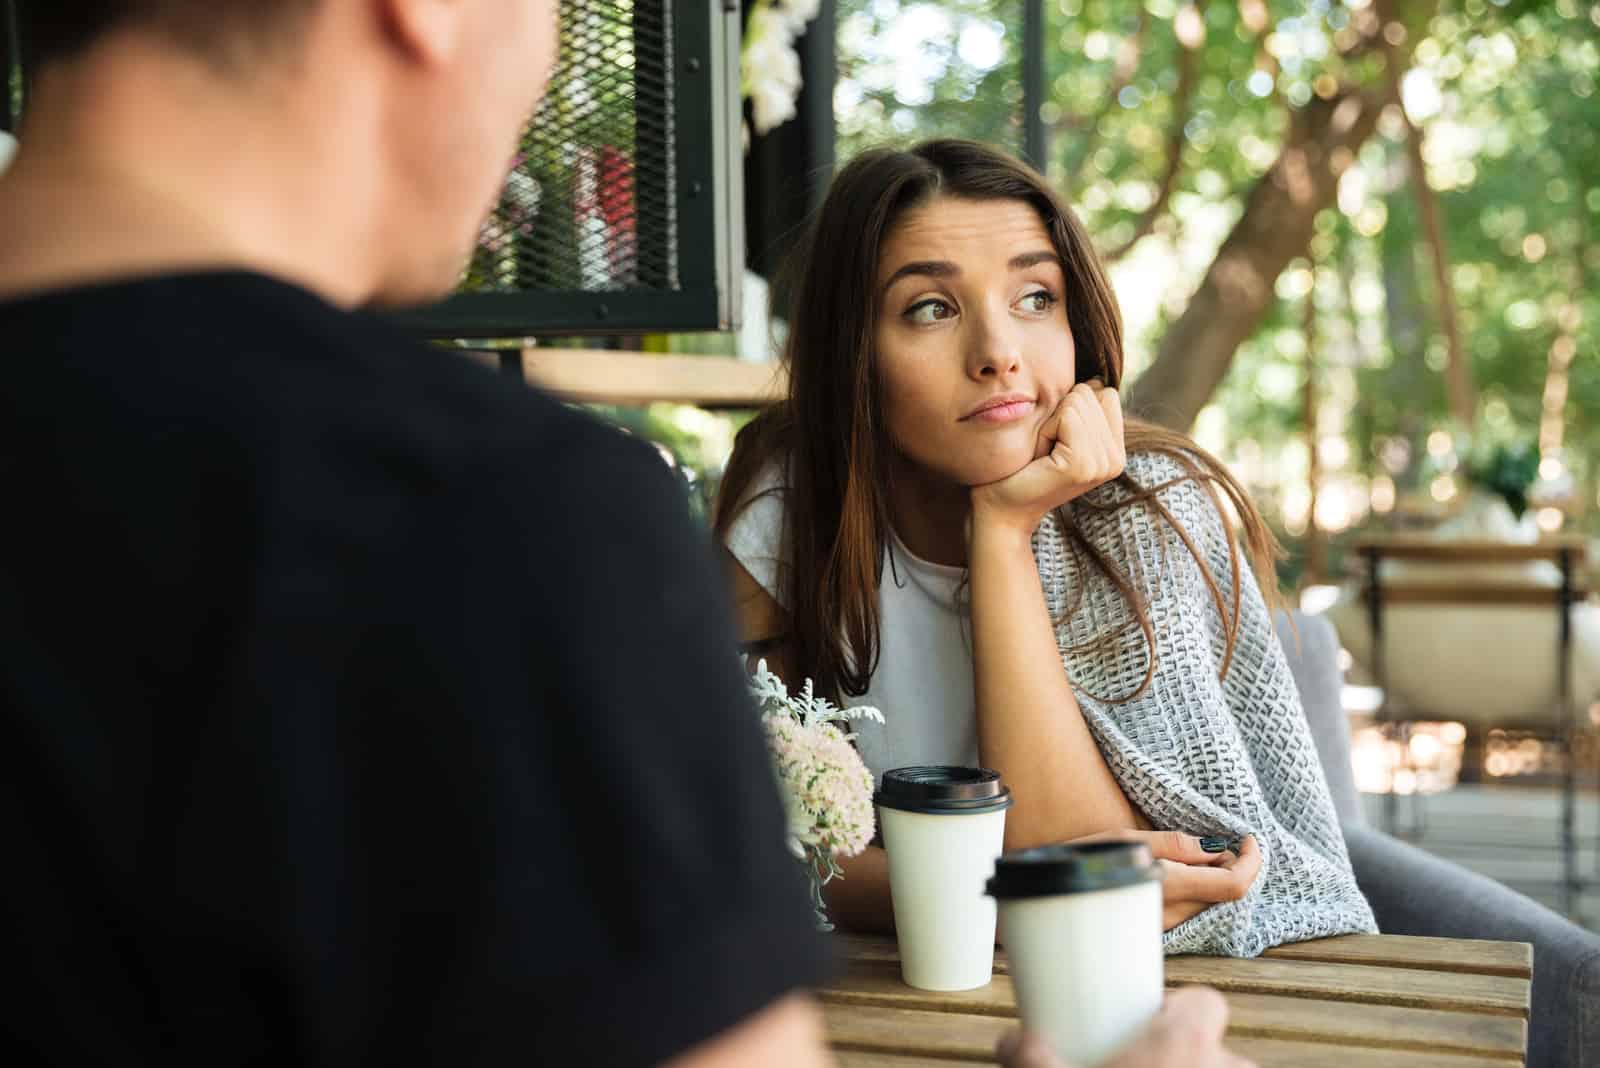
<point>1314,660</point>
<point>1416,893</point>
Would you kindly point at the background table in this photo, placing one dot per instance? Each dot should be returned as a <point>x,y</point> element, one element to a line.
<point>1359,1001</point>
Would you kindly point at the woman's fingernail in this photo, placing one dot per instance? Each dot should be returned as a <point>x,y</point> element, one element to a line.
<point>1214,845</point>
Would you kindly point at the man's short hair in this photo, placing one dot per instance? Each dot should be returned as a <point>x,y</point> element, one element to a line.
<point>222,30</point>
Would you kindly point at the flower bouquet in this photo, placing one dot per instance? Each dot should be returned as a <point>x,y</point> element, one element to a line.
<point>827,790</point>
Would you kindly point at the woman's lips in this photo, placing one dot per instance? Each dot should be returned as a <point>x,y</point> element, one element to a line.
<point>1006,411</point>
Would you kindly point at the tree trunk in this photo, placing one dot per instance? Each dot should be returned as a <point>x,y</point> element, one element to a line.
<point>1277,225</point>
<point>1553,406</point>
<point>1459,384</point>
<point>1316,569</point>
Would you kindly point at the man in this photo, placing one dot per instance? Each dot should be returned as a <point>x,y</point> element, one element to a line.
<point>357,706</point>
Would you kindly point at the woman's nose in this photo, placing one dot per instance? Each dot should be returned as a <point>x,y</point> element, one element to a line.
<point>993,349</point>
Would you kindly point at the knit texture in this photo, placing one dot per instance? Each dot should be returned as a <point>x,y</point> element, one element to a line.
<point>1196,751</point>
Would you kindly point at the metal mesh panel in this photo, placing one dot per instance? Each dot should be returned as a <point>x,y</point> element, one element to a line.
<point>589,204</point>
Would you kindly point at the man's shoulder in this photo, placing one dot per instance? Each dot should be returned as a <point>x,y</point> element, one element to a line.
<point>422,395</point>
<point>261,370</point>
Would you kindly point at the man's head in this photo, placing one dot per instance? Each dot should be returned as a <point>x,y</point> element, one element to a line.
<point>224,31</point>
<point>405,110</point>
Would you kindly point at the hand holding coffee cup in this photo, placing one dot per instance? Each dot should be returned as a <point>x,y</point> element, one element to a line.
<point>1187,1033</point>
<point>1083,929</point>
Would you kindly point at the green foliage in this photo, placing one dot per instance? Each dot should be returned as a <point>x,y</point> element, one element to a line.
<point>1506,468</point>
<point>910,70</point>
<point>1505,91</point>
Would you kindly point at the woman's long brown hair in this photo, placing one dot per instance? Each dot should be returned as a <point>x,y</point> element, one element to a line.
<point>830,432</point>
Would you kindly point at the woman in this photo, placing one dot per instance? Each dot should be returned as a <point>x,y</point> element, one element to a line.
<point>948,518</point>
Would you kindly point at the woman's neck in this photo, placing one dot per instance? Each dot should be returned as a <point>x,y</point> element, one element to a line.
<point>929,514</point>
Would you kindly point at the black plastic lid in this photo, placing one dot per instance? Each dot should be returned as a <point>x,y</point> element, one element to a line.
<point>940,789</point>
<point>1047,871</point>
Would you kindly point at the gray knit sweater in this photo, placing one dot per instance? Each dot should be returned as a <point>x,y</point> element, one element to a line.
<point>1196,752</point>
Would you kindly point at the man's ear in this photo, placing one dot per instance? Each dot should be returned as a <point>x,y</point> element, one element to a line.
<point>427,30</point>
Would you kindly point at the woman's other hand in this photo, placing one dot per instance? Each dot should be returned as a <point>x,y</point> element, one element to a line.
<point>1194,878</point>
<point>1080,447</point>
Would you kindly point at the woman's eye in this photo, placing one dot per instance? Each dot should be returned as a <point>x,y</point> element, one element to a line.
<point>929,311</point>
<point>1039,301</point>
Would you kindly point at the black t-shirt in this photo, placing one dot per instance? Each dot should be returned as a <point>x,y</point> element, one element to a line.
<point>359,706</point>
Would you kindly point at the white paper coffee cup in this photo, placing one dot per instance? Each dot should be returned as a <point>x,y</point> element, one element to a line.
<point>943,828</point>
<point>1082,927</point>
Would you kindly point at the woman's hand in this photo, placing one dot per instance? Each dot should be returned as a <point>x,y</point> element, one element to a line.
<point>1194,879</point>
<point>1080,447</point>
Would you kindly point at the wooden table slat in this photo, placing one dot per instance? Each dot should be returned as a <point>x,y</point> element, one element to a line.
<point>1358,1001</point>
<point>1514,959</point>
<point>1265,1053</point>
<point>1436,593</point>
<point>1458,992</point>
<point>919,1033</point>
<point>868,1035</point>
<point>1272,1053</point>
<point>1253,1015</point>
<point>1426,547</point>
<point>1378,983</point>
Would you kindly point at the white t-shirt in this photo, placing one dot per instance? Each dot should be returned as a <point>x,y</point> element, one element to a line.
<point>923,684</point>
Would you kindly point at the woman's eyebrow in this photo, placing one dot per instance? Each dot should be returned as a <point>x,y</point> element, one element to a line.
<point>1030,259</point>
<point>946,269</point>
<point>931,268</point>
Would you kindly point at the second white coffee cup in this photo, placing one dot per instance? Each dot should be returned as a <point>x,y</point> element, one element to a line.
<point>1082,925</point>
<point>943,827</point>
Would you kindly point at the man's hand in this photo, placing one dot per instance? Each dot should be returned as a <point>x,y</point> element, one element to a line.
<point>1187,1033</point>
<point>1080,447</point>
<point>1193,878</point>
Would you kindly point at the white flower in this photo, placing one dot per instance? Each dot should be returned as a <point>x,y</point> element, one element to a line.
<point>770,106</point>
<point>800,12</point>
<point>770,69</point>
<point>827,790</point>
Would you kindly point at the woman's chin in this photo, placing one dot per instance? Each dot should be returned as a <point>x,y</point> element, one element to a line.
<point>997,467</point>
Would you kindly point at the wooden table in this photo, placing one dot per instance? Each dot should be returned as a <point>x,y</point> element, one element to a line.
<point>1359,1001</point>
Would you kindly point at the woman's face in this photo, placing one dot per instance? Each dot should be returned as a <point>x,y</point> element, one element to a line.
<point>973,345</point>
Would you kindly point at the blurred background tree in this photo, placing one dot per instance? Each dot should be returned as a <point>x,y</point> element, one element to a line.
<point>1355,241</point>
<point>1338,332</point>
